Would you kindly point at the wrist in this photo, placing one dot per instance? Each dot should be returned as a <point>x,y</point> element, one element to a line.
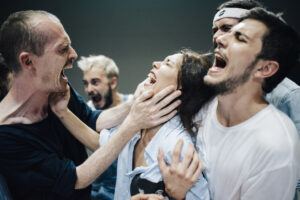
<point>62,113</point>
<point>131,124</point>
<point>175,196</point>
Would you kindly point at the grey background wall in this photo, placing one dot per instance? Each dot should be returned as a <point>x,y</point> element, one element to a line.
<point>136,32</point>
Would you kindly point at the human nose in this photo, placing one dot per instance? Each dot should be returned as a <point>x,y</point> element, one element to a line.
<point>73,55</point>
<point>156,65</point>
<point>216,35</point>
<point>222,40</point>
<point>89,88</point>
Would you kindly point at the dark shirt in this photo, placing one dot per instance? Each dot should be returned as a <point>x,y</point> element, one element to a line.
<point>141,185</point>
<point>39,160</point>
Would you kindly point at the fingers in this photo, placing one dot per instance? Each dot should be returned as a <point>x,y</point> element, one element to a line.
<point>188,157</point>
<point>167,100</point>
<point>165,93</point>
<point>176,153</point>
<point>164,118</point>
<point>147,197</point>
<point>166,110</point>
<point>165,97</point>
<point>155,197</point>
<point>195,164</point>
<point>198,171</point>
<point>145,95</point>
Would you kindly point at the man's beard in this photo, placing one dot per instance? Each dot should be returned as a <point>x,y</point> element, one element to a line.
<point>108,98</point>
<point>228,86</point>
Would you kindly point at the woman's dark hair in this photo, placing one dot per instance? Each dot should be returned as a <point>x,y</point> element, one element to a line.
<point>195,93</point>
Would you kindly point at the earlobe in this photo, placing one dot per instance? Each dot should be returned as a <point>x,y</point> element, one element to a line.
<point>268,69</point>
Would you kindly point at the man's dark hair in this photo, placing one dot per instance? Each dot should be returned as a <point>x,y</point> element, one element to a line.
<point>4,78</point>
<point>245,4</point>
<point>281,43</point>
<point>17,35</point>
<point>195,93</point>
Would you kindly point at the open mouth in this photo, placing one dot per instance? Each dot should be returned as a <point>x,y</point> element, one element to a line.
<point>152,78</point>
<point>96,98</point>
<point>64,77</point>
<point>220,62</point>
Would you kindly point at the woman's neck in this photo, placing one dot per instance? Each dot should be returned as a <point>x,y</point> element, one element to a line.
<point>140,147</point>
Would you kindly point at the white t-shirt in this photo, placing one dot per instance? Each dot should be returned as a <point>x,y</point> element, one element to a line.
<point>256,159</point>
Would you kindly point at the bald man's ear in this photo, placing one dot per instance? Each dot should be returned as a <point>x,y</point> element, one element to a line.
<point>267,69</point>
<point>113,83</point>
<point>25,60</point>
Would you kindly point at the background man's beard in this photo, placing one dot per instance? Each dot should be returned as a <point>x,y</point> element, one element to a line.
<point>108,98</point>
<point>228,86</point>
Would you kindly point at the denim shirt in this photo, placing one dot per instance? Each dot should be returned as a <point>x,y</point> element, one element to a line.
<point>286,97</point>
<point>166,138</point>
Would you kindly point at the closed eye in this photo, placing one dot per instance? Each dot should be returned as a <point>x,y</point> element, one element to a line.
<point>239,36</point>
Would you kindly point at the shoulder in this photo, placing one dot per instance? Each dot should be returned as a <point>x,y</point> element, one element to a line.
<point>174,130</point>
<point>276,132</point>
<point>285,91</point>
<point>170,134</point>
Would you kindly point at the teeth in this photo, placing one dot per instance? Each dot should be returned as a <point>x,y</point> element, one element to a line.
<point>152,78</point>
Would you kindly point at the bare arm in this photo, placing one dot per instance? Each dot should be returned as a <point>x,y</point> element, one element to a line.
<point>86,135</point>
<point>80,130</point>
<point>114,116</point>
<point>146,111</point>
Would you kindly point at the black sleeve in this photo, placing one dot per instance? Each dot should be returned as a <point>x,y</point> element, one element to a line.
<point>78,106</point>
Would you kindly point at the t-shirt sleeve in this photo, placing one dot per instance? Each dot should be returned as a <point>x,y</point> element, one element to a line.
<point>78,106</point>
<point>273,184</point>
<point>32,170</point>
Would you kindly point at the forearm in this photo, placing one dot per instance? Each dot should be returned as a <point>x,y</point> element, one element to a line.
<point>113,116</point>
<point>80,131</point>
<point>101,159</point>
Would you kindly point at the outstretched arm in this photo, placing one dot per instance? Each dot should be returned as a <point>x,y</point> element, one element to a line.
<point>146,111</point>
<point>86,135</point>
<point>115,116</point>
